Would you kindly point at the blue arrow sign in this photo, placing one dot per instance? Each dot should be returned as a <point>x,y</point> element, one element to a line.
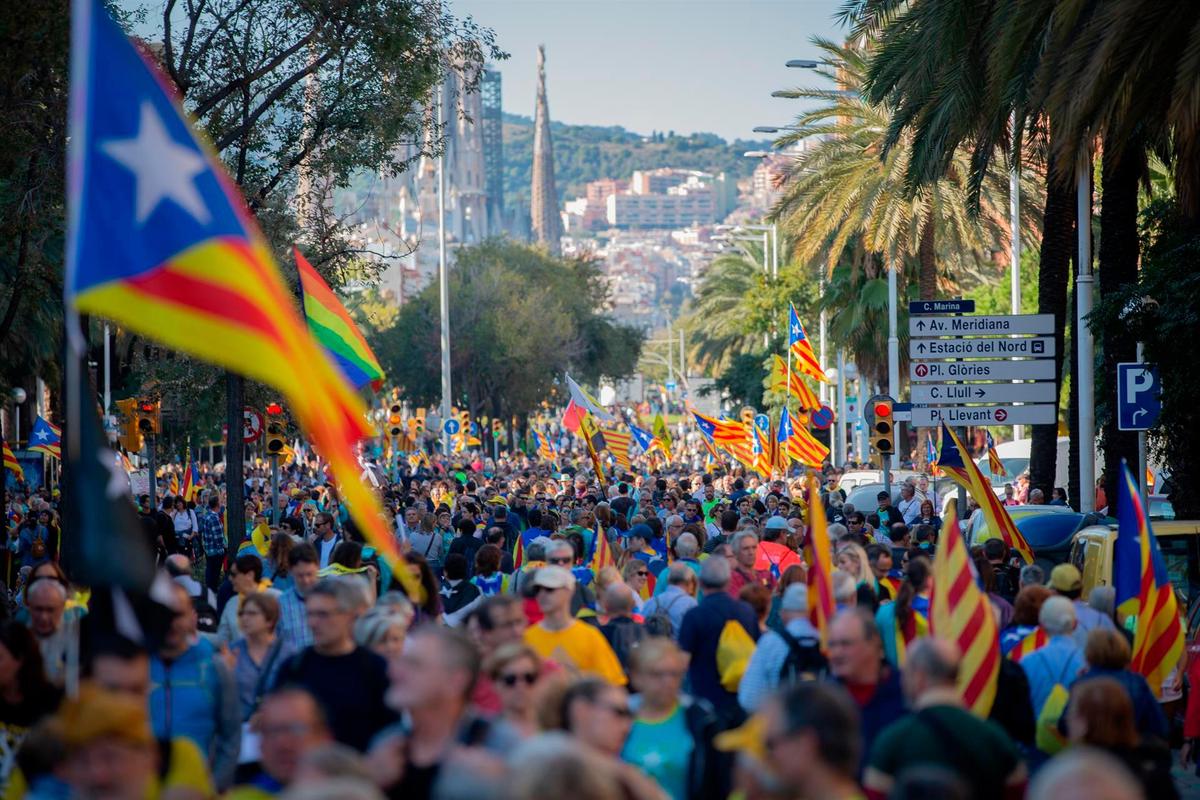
<point>451,426</point>
<point>1139,396</point>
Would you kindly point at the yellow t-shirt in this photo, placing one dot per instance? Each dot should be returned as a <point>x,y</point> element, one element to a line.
<point>187,770</point>
<point>579,645</point>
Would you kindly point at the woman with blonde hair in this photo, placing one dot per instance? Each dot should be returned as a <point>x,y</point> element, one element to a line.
<point>515,670</point>
<point>384,628</point>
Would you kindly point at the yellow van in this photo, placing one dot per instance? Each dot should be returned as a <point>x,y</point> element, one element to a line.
<point>1179,541</point>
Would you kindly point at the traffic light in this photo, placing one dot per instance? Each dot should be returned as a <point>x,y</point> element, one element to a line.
<point>276,430</point>
<point>149,418</point>
<point>497,428</point>
<point>131,437</point>
<point>394,422</point>
<point>883,426</point>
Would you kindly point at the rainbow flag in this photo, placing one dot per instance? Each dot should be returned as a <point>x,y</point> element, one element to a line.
<point>160,240</point>
<point>1144,589</point>
<point>965,472</point>
<point>962,613</point>
<point>11,464</point>
<point>1031,643</point>
<point>818,554</point>
<point>805,359</point>
<point>331,325</point>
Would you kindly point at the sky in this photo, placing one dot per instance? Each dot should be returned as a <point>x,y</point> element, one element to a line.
<point>657,65</point>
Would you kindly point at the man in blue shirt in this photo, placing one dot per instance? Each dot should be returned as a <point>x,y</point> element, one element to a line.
<point>764,672</point>
<point>1059,661</point>
<point>700,633</point>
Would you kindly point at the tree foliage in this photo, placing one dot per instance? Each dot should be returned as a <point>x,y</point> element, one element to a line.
<point>519,319</point>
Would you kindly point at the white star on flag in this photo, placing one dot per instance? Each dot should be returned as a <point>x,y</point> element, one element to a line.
<point>162,168</point>
<point>42,435</point>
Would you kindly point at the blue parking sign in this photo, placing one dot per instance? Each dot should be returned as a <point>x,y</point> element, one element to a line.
<point>1139,400</point>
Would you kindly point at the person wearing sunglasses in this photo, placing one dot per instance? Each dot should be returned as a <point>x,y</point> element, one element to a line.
<point>561,636</point>
<point>515,670</point>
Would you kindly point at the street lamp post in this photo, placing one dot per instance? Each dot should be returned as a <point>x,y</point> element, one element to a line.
<point>19,397</point>
<point>443,277</point>
<point>1085,340</point>
<point>893,346</point>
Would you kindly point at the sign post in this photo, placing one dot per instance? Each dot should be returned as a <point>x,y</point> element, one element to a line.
<point>1139,403</point>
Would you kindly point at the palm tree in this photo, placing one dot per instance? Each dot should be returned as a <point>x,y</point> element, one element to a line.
<point>725,315</point>
<point>850,183</point>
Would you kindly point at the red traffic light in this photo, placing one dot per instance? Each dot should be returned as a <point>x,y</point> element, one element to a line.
<point>146,406</point>
<point>274,409</point>
<point>883,409</point>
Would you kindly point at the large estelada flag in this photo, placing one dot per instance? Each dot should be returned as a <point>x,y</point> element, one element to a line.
<point>958,466</point>
<point>792,382</point>
<point>160,240</point>
<point>331,325</point>
<point>1144,590</point>
<point>797,444</point>
<point>961,613</point>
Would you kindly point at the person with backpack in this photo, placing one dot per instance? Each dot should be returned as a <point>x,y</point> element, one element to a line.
<point>663,613</point>
<point>1052,669</point>
<point>784,656</point>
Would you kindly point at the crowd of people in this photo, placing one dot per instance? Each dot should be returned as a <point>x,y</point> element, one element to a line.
<point>645,635</point>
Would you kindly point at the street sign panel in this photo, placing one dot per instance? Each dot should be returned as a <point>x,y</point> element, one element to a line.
<point>822,418</point>
<point>1139,400</point>
<point>252,425</point>
<point>983,393</point>
<point>984,415</point>
<point>1030,346</point>
<point>941,307</point>
<point>985,325</point>
<point>1035,370</point>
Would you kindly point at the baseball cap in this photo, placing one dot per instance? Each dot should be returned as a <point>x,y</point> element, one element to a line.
<point>1066,578</point>
<point>553,578</point>
<point>642,530</point>
<point>776,523</point>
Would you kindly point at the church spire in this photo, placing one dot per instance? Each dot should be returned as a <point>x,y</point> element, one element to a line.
<point>544,213</point>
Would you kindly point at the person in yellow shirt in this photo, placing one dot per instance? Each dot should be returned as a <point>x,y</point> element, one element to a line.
<point>562,637</point>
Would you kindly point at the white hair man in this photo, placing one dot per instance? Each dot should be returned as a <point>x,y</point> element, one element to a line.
<point>797,648</point>
<point>1060,660</point>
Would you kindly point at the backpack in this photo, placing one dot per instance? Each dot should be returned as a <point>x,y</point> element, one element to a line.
<point>38,548</point>
<point>659,623</point>
<point>734,648</point>
<point>1048,738</point>
<point>207,618</point>
<point>804,662</point>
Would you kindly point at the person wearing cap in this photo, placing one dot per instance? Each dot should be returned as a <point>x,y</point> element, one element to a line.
<point>764,674</point>
<point>559,635</point>
<point>1066,581</point>
<point>1058,662</point>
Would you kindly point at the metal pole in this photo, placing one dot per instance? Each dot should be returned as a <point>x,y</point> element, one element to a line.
<point>822,387</point>
<point>153,479</point>
<point>1141,452</point>
<point>1014,235</point>
<point>775,249</point>
<point>1085,342</point>
<point>893,345</point>
<point>841,416</point>
<point>860,427</point>
<point>107,376</point>
<point>443,279</point>
<point>682,362</point>
<point>274,488</point>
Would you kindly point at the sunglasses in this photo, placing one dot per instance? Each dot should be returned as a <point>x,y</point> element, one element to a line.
<point>513,678</point>
<point>642,573</point>
<point>559,560</point>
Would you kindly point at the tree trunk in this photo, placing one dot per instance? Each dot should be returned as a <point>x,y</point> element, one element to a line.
<point>927,252</point>
<point>1118,269</point>
<point>1057,250</point>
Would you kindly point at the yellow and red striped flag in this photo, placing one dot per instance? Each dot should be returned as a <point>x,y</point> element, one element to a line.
<point>804,358</point>
<point>11,464</point>
<point>602,554</point>
<point>955,463</point>
<point>818,554</point>
<point>617,443</point>
<point>907,633</point>
<point>961,613</point>
<point>1031,643</point>
<point>798,444</point>
<point>995,465</point>
<point>781,380</point>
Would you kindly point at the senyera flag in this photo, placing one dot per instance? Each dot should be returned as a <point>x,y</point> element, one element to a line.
<point>160,240</point>
<point>958,466</point>
<point>961,613</point>
<point>330,324</point>
<point>818,553</point>
<point>1143,588</point>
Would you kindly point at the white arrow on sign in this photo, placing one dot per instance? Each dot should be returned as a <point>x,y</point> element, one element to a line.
<point>1037,370</point>
<point>983,325</point>
<point>984,415</point>
<point>1028,347</point>
<point>983,393</point>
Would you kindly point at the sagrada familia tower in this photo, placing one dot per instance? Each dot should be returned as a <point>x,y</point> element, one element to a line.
<point>544,215</point>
